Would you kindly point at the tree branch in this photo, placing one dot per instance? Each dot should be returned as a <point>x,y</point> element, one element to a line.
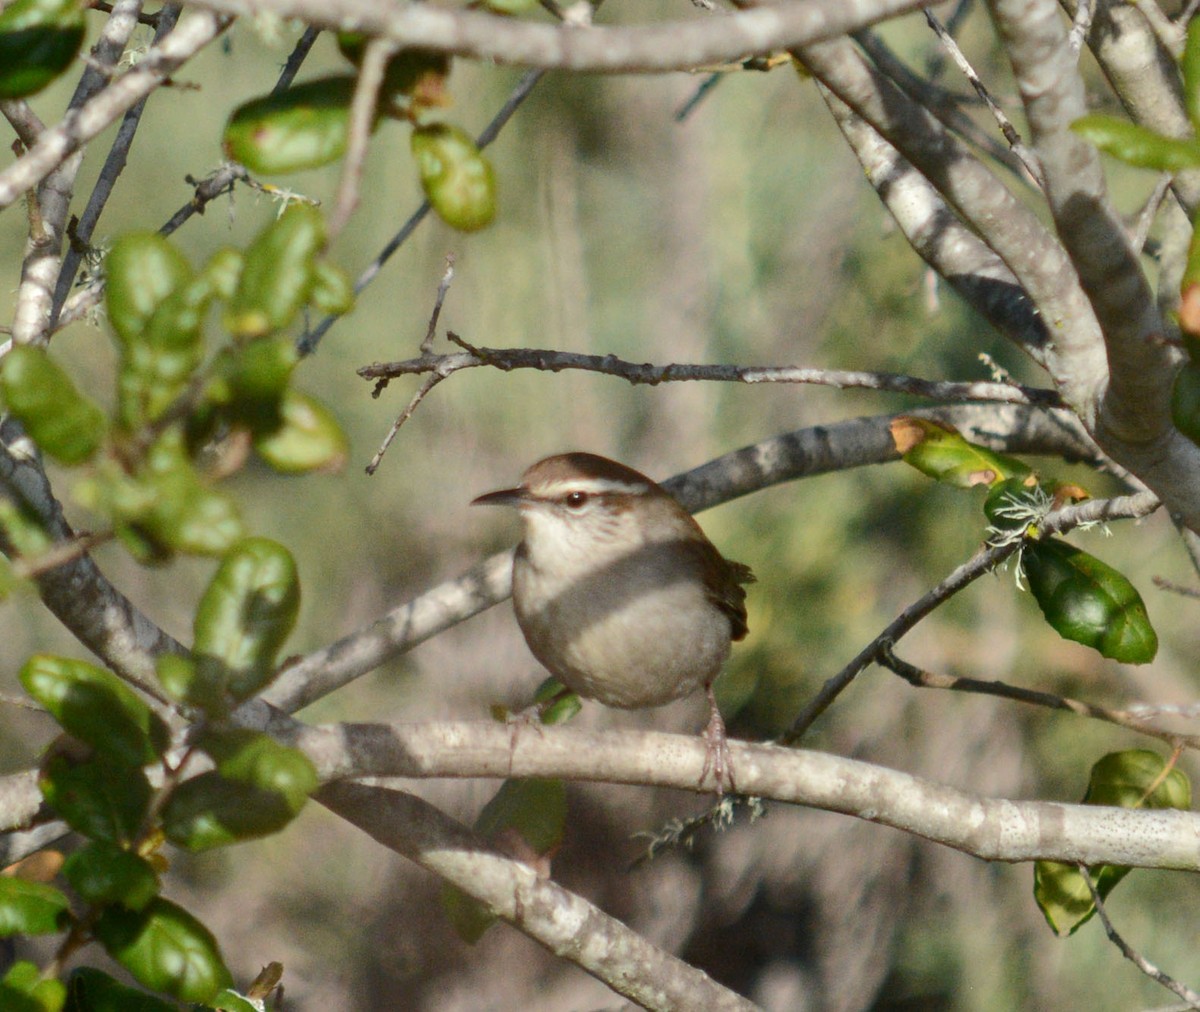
<point>563,922</point>
<point>655,48</point>
<point>992,829</point>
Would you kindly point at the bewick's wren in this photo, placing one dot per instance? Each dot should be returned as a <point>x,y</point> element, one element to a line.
<point>619,593</point>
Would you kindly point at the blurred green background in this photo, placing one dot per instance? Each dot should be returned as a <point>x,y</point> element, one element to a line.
<point>745,234</point>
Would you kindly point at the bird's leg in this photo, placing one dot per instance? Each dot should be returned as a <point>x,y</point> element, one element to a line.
<point>716,757</point>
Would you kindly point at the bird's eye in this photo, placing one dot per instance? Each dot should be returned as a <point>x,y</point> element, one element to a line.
<point>575,500</point>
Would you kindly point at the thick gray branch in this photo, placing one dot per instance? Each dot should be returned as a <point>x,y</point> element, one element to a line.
<point>990,828</point>
<point>654,48</point>
<point>563,922</point>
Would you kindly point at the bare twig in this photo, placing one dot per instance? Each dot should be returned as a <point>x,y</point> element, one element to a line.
<point>429,383</point>
<point>984,561</point>
<point>1130,719</point>
<point>547,360</point>
<point>294,61</point>
<point>443,288</point>
<point>1081,24</point>
<point>1028,158</point>
<point>1130,953</point>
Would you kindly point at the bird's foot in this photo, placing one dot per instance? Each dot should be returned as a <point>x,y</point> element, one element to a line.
<point>717,759</point>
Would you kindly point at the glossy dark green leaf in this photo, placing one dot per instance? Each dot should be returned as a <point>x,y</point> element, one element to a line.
<point>212,810</point>
<point>941,452</point>
<point>407,71</point>
<point>1137,778</point>
<point>22,989</point>
<point>469,918</point>
<point>251,757</point>
<point>277,274</point>
<point>1088,601</point>
<point>92,990</point>
<point>96,707</point>
<point>64,423</point>
<point>302,128</point>
<point>141,271</point>
<point>104,873</point>
<point>1185,401</point>
<point>1137,145</point>
<point>192,684</point>
<point>307,439</point>
<point>39,39</point>
<point>246,614</point>
<point>166,949</point>
<point>558,703</point>
<point>31,908</point>
<point>101,799</point>
<point>456,177</point>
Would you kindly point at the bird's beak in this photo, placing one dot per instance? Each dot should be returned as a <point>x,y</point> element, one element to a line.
<point>502,497</point>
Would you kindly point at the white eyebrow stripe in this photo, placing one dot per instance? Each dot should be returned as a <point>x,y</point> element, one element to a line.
<point>594,486</point>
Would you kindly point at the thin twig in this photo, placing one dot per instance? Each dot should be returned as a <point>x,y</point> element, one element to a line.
<point>984,561</point>
<point>508,359</point>
<point>1135,957</point>
<point>294,61</point>
<point>443,288</point>
<point>61,553</point>
<point>1028,158</point>
<point>1162,583</point>
<point>1148,212</point>
<point>308,341</point>
<point>921,678</point>
<point>362,117</point>
<point>430,382</point>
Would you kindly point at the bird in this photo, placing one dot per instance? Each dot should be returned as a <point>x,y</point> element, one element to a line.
<point>618,591</point>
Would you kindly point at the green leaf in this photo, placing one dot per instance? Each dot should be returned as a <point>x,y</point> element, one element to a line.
<point>223,271</point>
<point>1136,145</point>
<point>1137,778</point>
<point>31,908</point>
<point>64,423</point>
<point>92,990</point>
<point>245,615</point>
<point>1191,74</point>
<point>406,71</point>
<point>1185,401</point>
<point>536,809</point>
<point>302,128</point>
<point>528,816</point>
<point>1088,601</point>
<point>230,1001</point>
<point>457,179</point>
<point>560,703</point>
<point>23,529</point>
<point>96,707</point>
<point>258,787</point>
<point>166,949</point>
<point>188,683</point>
<point>22,989</point>
<point>39,39</point>
<point>166,507</point>
<point>332,291</point>
<point>307,439</point>
<point>941,452</point>
<point>510,6</point>
<point>104,873</point>
<point>250,380</point>
<point>277,275</point>
<point>251,757</point>
<point>101,799</point>
<point>141,271</point>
